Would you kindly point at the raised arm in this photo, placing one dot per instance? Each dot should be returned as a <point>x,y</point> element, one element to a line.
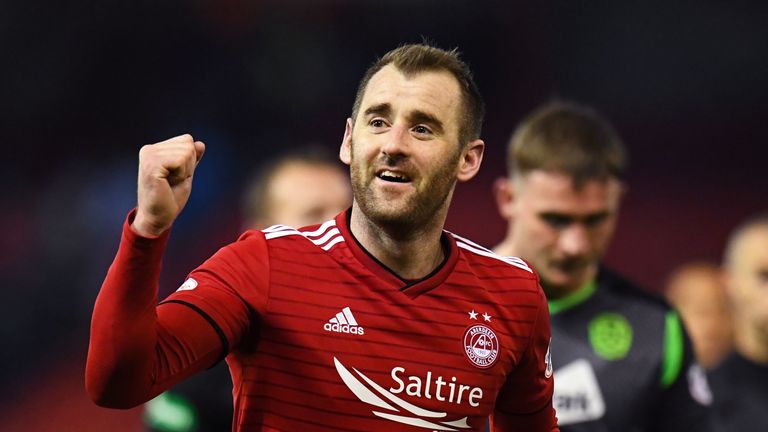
<point>136,348</point>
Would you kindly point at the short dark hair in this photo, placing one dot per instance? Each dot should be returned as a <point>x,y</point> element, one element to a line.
<point>569,138</point>
<point>255,199</point>
<point>413,59</point>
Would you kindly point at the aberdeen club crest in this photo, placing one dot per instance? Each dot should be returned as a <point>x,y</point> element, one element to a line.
<point>481,346</point>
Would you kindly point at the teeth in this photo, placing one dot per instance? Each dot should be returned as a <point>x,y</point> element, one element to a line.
<point>392,174</point>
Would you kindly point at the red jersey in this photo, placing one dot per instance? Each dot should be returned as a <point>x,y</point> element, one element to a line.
<point>321,336</point>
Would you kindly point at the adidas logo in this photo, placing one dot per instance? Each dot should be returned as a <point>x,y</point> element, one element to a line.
<point>344,322</point>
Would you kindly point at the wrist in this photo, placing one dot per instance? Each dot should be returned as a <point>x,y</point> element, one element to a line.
<point>143,227</point>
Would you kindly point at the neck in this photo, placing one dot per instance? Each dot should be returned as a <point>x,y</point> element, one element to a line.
<point>751,342</point>
<point>552,291</point>
<point>505,248</point>
<point>556,292</point>
<point>412,252</point>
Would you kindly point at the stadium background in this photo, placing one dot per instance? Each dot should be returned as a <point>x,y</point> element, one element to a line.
<point>84,84</point>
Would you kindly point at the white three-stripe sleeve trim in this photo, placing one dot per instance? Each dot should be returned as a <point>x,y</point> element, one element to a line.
<point>470,242</point>
<point>277,231</point>
<point>277,234</point>
<point>508,259</point>
<point>330,237</point>
<point>518,264</point>
<point>326,237</point>
<point>327,224</point>
<point>333,243</point>
<point>275,228</point>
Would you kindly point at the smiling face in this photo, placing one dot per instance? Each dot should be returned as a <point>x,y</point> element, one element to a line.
<point>403,148</point>
<point>562,230</point>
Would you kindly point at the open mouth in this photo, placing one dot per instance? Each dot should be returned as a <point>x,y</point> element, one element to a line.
<point>393,176</point>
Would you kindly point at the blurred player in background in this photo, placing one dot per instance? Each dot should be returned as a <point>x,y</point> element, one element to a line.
<point>740,382</point>
<point>377,319</point>
<point>300,188</point>
<point>622,358</point>
<point>696,290</point>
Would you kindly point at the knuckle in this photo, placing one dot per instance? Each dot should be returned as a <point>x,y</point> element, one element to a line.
<point>145,152</point>
<point>189,151</point>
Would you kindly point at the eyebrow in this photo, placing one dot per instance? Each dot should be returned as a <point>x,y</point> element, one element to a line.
<point>422,117</point>
<point>571,218</point>
<point>383,109</point>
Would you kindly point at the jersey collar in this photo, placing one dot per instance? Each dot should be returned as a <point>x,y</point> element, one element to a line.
<point>412,288</point>
<point>573,299</point>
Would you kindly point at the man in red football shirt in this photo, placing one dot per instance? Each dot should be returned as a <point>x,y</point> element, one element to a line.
<point>377,319</point>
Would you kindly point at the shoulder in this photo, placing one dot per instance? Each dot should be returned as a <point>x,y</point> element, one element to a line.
<point>483,260</point>
<point>260,244</point>
<point>507,278</point>
<point>618,286</point>
<point>320,237</point>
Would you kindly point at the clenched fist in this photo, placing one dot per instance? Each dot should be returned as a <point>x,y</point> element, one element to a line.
<point>165,182</point>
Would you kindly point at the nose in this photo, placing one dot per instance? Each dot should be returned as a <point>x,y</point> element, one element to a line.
<point>574,240</point>
<point>396,142</point>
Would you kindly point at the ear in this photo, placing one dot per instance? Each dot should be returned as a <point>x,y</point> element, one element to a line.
<point>504,193</point>
<point>345,152</point>
<point>727,280</point>
<point>471,159</point>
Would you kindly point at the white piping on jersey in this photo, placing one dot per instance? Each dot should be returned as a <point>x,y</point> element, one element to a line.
<point>480,250</point>
<point>468,241</point>
<point>330,236</point>
<point>332,243</point>
<point>325,238</point>
<point>327,224</point>
<point>278,234</point>
<point>275,228</point>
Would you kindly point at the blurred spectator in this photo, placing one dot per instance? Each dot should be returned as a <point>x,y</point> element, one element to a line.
<point>297,189</point>
<point>696,290</point>
<point>300,188</point>
<point>740,382</point>
<point>622,359</point>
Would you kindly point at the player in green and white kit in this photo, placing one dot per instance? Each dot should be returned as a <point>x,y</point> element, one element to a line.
<point>622,359</point>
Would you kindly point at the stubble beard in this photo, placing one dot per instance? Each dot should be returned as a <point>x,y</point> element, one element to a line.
<point>570,284</point>
<point>409,214</point>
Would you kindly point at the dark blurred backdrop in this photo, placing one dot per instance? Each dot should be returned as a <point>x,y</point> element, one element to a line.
<point>84,84</point>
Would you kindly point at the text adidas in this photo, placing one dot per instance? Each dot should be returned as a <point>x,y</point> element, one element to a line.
<point>344,322</point>
<point>344,328</point>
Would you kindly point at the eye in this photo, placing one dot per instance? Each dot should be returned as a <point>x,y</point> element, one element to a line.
<point>556,221</point>
<point>377,123</point>
<point>422,130</point>
<point>595,220</point>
